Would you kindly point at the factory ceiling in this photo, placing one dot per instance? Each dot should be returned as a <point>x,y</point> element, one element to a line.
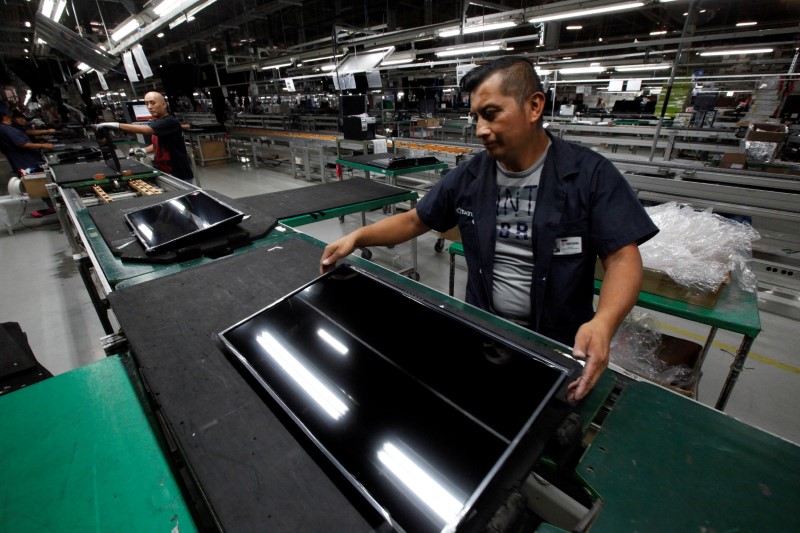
<point>230,42</point>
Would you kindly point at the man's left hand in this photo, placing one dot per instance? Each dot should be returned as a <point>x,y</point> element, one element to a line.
<point>592,344</point>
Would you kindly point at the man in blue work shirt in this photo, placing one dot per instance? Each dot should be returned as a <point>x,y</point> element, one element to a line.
<point>534,212</point>
<point>24,155</point>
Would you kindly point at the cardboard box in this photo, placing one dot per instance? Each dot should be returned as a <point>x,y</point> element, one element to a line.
<point>659,283</point>
<point>767,132</point>
<point>213,149</point>
<point>733,160</point>
<point>453,234</point>
<point>675,351</point>
<point>427,122</point>
<point>35,185</point>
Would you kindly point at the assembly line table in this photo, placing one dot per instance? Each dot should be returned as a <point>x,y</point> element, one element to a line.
<point>292,208</point>
<point>79,453</point>
<point>392,174</point>
<point>658,460</point>
<point>661,462</point>
<point>736,311</point>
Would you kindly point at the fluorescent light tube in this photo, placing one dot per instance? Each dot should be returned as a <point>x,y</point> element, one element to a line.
<point>177,22</point>
<point>195,10</point>
<point>125,30</point>
<point>469,50</point>
<point>47,8</point>
<point>741,24</point>
<point>489,27</point>
<point>167,6</point>
<point>581,70</point>
<point>736,52</point>
<point>585,12</point>
<point>276,66</point>
<point>633,68</point>
<point>60,7</point>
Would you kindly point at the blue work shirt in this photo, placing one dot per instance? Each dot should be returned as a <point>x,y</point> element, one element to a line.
<point>11,144</point>
<point>585,208</point>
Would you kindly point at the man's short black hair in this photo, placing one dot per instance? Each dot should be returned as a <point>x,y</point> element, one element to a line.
<point>519,77</point>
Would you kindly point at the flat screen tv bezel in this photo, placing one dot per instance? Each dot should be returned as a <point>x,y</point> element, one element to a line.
<point>518,446</point>
<point>233,217</point>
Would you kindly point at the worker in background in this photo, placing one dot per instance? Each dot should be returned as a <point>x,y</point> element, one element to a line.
<point>168,143</point>
<point>24,155</point>
<point>534,213</point>
<point>20,121</point>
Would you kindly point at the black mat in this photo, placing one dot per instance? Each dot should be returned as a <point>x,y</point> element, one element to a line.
<point>86,171</point>
<point>110,221</point>
<point>256,473</point>
<point>317,199</point>
<point>392,161</point>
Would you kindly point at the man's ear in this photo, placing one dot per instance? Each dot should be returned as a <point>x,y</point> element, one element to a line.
<point>536,102</point>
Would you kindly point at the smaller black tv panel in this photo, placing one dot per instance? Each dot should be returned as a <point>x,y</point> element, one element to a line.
<point>171,223</point>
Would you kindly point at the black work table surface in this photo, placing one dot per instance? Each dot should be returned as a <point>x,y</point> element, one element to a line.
<point>318,199</point>
<point>250,466</point>
<point>258,472</point>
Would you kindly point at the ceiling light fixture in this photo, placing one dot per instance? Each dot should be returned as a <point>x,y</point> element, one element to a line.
<point>280,65</point>
<point>60,7</point>
<point>585,12</point>
<point>195,10</point>
<point>168,6</point>
<point>634,68</point>
<point>125,30</point>
<point>736,52</point>
<point>470,50</point>
<point>659,32</point>
<point>489,27</point>
<point>177,22</point>
<point>581,70</point>
<point>574,27</point>
<point>399,58</point>
<point>741,24</point>
<point>477,28</point>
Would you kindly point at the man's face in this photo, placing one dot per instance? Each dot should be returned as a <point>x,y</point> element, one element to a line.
<point>156,104</point>
<point>20,121</point>
<point>502,126</point>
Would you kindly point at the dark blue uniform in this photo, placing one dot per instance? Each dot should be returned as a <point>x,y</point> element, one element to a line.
<point>585,209</point>
<point>11,141</point>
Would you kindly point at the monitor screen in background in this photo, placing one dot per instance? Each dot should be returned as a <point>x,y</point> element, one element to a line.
<point>141,113</point>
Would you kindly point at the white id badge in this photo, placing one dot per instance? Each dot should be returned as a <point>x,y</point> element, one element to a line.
<point>567,246</point>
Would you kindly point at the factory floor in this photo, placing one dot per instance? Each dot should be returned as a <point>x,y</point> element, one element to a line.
<point>43,291</point>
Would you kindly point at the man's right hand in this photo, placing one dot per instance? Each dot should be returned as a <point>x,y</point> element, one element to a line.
<point>336,250</point>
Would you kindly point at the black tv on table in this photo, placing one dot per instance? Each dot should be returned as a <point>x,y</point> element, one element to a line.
<point>169,224</point>
<point>430,430</point>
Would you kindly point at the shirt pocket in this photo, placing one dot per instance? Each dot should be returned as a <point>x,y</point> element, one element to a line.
<point>571,240</point>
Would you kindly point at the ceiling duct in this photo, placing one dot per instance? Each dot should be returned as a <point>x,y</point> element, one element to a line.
<point>73,45</point>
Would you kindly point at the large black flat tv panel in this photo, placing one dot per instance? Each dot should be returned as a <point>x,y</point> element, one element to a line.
<point>169,224</point>
<point>427,427</point>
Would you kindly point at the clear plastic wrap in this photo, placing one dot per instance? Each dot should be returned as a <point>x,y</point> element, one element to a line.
<point>760,150</point>
<point>699,249</point>
<point>635,347</point>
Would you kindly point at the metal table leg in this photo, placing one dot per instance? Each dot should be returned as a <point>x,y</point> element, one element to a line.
<point>736,368</point>
<point>84,266</point>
